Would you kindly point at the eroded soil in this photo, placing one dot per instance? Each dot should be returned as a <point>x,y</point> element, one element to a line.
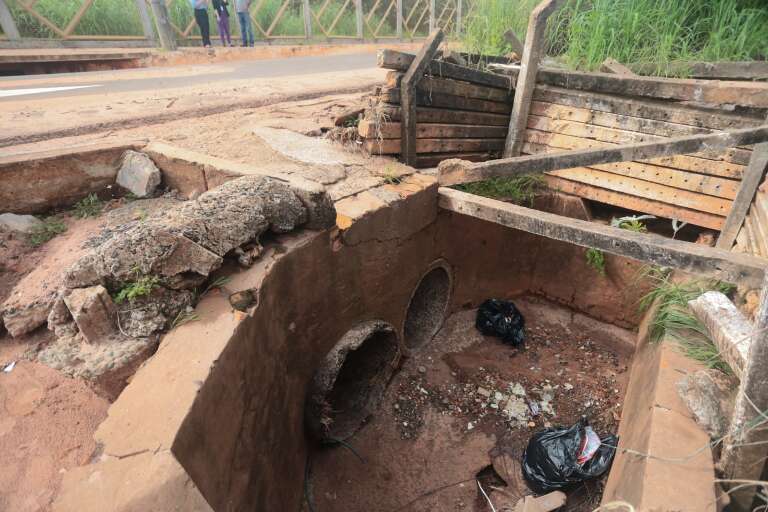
<point>442,421</point>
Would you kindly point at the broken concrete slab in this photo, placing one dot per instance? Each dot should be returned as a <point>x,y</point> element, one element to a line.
<point>710,396</point>
<point>138,174</point>
<point>93,311</point>
<point>19,223</point>
<point>310,150</point>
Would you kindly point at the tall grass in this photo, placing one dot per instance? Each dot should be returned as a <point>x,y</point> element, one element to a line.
<point>586,32</point>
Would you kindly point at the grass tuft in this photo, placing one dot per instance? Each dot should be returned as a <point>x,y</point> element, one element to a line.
<point>89,206</point>
<point>596,260</point>
<point>519,190</point>
<point>51,227</point>
<point>142,287</point>
<point>673,318</point>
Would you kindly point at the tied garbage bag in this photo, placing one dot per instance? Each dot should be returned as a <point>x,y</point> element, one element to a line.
<point>501,318</point>
<point>559,457</point>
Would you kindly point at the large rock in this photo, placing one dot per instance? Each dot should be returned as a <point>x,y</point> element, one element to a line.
<point>709,395</point>
<point>19,223</point>
<point>138,174</point>
<point>93,311</point>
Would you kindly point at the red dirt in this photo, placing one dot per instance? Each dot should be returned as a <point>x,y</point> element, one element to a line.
<point>420,452</point>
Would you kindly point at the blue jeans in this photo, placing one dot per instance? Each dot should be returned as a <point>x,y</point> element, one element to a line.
<point>246,30</point>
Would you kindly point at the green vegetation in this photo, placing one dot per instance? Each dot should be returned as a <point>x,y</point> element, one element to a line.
<point>89,206</point>
<point>596,260</point>
<point>51,227</point>
<point>632,225</point>
<point>586,32</point>
<point>184,317</point>
<point>141,287</point>
<point>673,318</point>
<point>519,190</point>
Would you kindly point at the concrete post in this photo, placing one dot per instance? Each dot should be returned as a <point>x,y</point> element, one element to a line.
<point>146,20</point>
<point>163,23</point>
<point>746,447</point>
<point>359,19</point>
<point>399,19</point>
<point>7,23</point>
<point>432,20</point>
<point>307,19</point>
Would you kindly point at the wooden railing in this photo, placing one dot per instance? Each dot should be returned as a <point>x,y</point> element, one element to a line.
<point>70,21</point>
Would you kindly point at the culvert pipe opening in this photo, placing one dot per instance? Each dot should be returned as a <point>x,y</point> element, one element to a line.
<point>427,308</point>
<point>350,383</point>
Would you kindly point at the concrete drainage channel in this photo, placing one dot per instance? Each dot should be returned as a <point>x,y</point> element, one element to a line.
<point>354,378</point>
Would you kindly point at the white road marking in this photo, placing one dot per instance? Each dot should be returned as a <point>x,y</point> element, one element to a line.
<point>41,90</point>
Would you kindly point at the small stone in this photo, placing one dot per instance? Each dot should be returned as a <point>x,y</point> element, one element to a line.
<point>93,311</point>
<point>484,392</point>
<point>470,426</point>
<point>242,300</point>
<point>19,223</point>
<point>498,396</point>
<point>517,389</point>
<point>138,174</point>
<point>531,424</point>
<point>422,369</point>
<point>568,386</point>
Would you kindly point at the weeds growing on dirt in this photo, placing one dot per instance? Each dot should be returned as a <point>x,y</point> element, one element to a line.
<point>673,318</point>
<point>142,287</point>
<point>89,206</point>
<point>50,227</point>
<point>596,260</point>
<point>519,190</point>
<point>184,317</point>
<point>586,32</point>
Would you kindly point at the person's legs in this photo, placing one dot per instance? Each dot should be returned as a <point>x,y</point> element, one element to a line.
<point>225,21</point>
<point>222,31</point>
<point>250,30</point>
<point>242,17</point>
<point>201,17</point>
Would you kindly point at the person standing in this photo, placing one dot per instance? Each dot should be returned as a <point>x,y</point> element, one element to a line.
<point>201,17</point>
<point>244,17</point>
<point>221,8</point>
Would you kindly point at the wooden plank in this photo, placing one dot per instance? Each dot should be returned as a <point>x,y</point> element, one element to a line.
<point>710,185</point>
<point>369,130</point>
<point>758,236</point>
<point>457,172</point>
<point>436,99</point>
<point>746,70</point>
<point>454,87</point>
<point>408,93</point>
<point>392,146</point>
<point>433,159</point>
<point>650,248</point>
<point>683,162</point>
<point>399,61</point>
<point>617,136</point>
<point>440,115</point>
<point>526,82</point>
<point>742,242</point>
<point>646,189</point>
<point>751,94</point>
<point>640,204</point>
<point>751,180</point>
<point>646,108</point>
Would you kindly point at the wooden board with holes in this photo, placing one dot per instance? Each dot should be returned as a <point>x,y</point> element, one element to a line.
<point>683,162</point>
<point>369,130</point>
<point>639,204</point>
<point>457,88</point>
<point>424,99</point>
<point>389,113</point>
<point>392,146</point>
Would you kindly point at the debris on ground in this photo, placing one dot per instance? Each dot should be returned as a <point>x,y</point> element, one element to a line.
<point>501,318</point>
<point>20,223</point>
<point>558,458</point>
<point>138,174</point>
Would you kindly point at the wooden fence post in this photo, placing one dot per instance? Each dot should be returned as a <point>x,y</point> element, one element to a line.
<point>458,17</point>
<point>746,447</point>
<point>399,19</point>
<point>307,19</point>
<point>359,19</point>
<point>7,23</point>
<point>526,80</point>
<point>163,24</point>
<point>750,181</point>
<point>408,96</point>
<point>146,21</point>
<point>432,9</point>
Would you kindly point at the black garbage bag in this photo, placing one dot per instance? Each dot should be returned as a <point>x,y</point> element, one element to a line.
<point>501,318</point>
<point>559,457</point>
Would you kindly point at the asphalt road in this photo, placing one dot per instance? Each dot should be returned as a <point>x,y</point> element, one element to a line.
<point>130,80</point>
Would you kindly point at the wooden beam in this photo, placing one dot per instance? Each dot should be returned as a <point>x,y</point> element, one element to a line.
<point>408,98</point>
<point>749,70</point>
<point>526,82</point>
<point>455,172</point>
<point>650,248</point>
<point>371,130</point>
<point>437,99</point>
<point>752,178</point>
<point>400,61</point>
<point>457,88</point>
<point>746,446</point>
<point>751,94</point>
<point>389,113</point>
<point>393,146</point>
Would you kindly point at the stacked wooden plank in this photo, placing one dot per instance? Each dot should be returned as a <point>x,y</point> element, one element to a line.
<point>461,112</point>
<point>753,236</point>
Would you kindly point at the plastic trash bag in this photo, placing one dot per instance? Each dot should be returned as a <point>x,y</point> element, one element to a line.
<point>551,460</point>
<point>501,318</point>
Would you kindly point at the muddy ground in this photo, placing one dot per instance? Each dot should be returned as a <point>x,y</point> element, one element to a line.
<point>441,424</point>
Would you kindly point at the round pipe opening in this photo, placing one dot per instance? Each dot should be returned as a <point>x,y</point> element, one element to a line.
<point>426,310</point>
